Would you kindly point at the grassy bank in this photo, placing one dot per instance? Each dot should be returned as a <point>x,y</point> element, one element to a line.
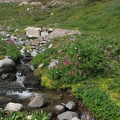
<point>95,56</point>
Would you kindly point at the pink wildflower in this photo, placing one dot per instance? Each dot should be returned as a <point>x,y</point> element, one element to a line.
<point>69,73</point>
<point>77,63</point>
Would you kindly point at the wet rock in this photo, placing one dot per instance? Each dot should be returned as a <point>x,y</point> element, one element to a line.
<point>26,60</point>
<point>6,65</point>
<point>4,99</point>
<point>8,77</point>
<point>14,107</point>
<point>51,115</point>
<point>60,108</point>
<point>10,86</point>
<point>25,70</point>
<point>37,102</point>
<point>70,105</point>
<point>68,115</point>
<point>31,81</point>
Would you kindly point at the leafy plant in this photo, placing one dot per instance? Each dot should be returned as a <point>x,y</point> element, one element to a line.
<point>38,115</point>
<point>13,51</point>
<point>68,70</point>
<point>98,102</point>
<point>44,57</point>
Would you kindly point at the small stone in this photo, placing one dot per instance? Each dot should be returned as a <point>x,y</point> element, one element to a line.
<point>36,102</point>
<point>59,108</point>
<point>34,53</point>
<point>71,105</point>
<point>13,107</point>
<point>68,115</point>
<point>50,46</point>
<point>41,65</point>
<point>44,33</point>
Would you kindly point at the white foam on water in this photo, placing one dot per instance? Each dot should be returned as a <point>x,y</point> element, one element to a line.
<point>23,95</point>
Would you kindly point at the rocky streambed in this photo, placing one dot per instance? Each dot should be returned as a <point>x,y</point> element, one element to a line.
<point>20,87</point>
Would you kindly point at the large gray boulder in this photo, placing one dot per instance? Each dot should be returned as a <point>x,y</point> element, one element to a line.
<point>14,107</point>
<point>6,65</point>
<point>68,115</point>
<point>32,81</point>
<point>37,102</point>
<point>33,32</point>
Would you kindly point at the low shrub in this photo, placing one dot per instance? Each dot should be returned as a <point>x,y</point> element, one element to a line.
<point>13,51</point>
<point>36,115</point>
<point>68,70</point>
<point>44,57</point>
<point>80,60</point>
<point>47,82</point>
<point>98,102</point>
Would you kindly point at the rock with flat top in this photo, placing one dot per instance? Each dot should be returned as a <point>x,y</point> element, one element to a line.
<point>33,32</point>
<point>13,107</point>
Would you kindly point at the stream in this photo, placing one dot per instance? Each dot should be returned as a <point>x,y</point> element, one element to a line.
<point>23,95</point>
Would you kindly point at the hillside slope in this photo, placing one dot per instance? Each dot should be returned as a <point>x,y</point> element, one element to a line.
<point>98,17</point>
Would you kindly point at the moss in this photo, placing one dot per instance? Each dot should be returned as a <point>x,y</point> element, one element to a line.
<point>48,83</point>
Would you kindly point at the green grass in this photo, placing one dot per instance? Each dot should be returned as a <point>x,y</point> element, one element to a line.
<point>98,17</point>
<point>100,21</point>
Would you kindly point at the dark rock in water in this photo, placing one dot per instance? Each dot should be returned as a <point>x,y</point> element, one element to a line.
<point>4,99</point>
<point>8,77</point>
<point>32,81</point>
<point>25,70</point>
<point>51,115</point>
<point>6,87</point>
<point>26,60</point>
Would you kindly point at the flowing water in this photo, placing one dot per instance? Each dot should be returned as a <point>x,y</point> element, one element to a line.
<point>53,97</point>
